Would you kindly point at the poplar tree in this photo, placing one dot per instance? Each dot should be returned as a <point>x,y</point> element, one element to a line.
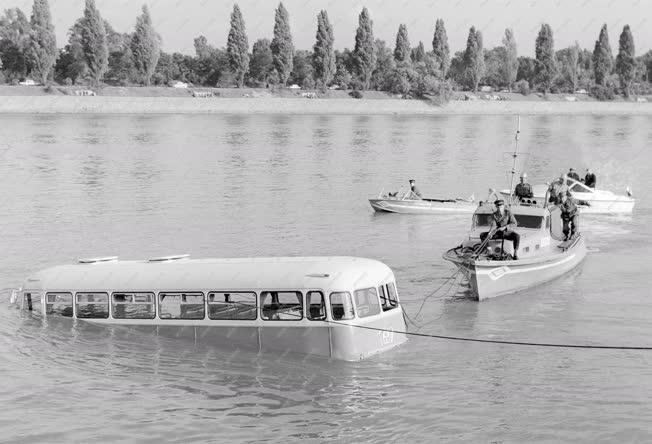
<point>474,58</point>
<point>602,57</point>
<point>402,50</point>
<point>282,47</point>
<point>364,53</point>
<point>545,69</point>
<point>510,64</point>
<point>43,43</point>
<point>93,43</point>
<point>15,41</point>
<point>440,48</point>
<point>261,64</point>
<point>625,61</point>
<point>573,65</point>
<point>237,46</point>
<point>419,53</point>
<point>145,46</point>
<point>323,58</point>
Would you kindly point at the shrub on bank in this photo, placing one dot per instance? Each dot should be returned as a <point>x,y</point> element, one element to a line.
<point>356,94</point>
<point>602,93</point>
<point>522,86</point>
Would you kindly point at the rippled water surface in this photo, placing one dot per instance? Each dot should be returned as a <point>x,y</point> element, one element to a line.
<point>223,186</point>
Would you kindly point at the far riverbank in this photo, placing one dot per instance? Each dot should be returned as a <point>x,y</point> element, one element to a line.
<point>188,105</point>
<point>157,100</point>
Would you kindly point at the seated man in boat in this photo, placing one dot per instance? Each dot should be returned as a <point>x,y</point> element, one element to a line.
<point>523,189</point>
<point>556,189</point>
<point>569,216</point>
<point>589,179</point>
<point>414,193</point>
<point>573,175</point>
<point>502,225</point>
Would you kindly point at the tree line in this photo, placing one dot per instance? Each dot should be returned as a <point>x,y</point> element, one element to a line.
<point>96,54</point>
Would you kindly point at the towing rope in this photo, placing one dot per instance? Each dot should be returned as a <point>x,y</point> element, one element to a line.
<point>479,340</point>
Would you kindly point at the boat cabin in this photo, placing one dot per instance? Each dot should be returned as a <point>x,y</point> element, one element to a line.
<point>340,307</point>
<point>539,228</point>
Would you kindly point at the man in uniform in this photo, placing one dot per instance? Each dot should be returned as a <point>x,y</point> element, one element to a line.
<point>569,215</point>
<point>573,175</point>
<point>589,179</point>
<point>556,188</point>
<point>523,190</point>
<point>502,225</point>
<point>414,193</point>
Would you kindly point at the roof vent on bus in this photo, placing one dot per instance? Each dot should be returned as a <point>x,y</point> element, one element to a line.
<point>174,257</point>
<point>318,275</point>
<point>94,260</point>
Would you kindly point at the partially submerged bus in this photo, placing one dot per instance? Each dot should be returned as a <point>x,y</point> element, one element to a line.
<point>344,308</point>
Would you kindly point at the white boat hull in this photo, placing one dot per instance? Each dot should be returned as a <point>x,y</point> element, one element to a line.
<point>593,202</point>
<point>421,206</point>
<point>489,279</point>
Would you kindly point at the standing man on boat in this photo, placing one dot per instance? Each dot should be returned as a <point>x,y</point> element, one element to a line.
<point>573,175</point>
<point>523,189</point>
<point>569,216</point>
<point>414,193</point>
<point>502,226</point>
<point>556,189</point>
<point>589,179</point>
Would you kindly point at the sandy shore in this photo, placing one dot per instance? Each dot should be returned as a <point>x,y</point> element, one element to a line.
<point>272,105</point>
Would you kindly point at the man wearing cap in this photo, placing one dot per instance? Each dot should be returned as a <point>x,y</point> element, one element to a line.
<point>556,189</point>
<point>573,175</point>
<point>414,193</point>
<point>589,179</point>
<point>569,216</point>
<point>502,226</point>
<point>523,190</point>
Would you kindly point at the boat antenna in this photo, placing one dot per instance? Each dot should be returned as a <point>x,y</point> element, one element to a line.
<point>514,156</point>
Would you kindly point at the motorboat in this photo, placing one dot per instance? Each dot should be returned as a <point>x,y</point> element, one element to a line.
<point>391,203</point>
<point>491,266</point>
<point>590,200</point>
<point>343,308</point>
<point>543,253</point>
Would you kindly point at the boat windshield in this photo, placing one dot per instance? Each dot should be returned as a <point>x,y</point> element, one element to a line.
<point>522,220</point>
<point>528,221</point>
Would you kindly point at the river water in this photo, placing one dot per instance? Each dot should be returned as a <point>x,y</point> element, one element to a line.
<point>250,185</point>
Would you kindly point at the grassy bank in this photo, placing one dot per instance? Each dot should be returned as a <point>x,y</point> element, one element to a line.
<point>121,100</point>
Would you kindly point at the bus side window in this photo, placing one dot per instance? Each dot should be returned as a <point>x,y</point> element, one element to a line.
<point>392,296</point>
<point>316,304</point>
<point>342,306</point>
<point>59,303</point>
<point>92,305</point>
<point>366,302</point>
<point>281,305</point>
<point>384,298</point>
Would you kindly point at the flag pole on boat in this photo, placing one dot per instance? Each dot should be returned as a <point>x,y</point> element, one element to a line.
<point>514,156</point>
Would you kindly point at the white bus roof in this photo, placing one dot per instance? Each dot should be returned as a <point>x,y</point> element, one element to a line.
<point>328,273</point>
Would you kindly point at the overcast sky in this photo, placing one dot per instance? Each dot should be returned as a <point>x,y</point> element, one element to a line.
<point>180,21</point>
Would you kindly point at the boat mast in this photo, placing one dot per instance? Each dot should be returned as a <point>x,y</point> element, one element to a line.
<point>514,156</point>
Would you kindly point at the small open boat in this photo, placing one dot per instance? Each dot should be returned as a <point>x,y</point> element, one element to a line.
<point>392,204</point>
<point>543,253</point>
<point>590,200</point>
